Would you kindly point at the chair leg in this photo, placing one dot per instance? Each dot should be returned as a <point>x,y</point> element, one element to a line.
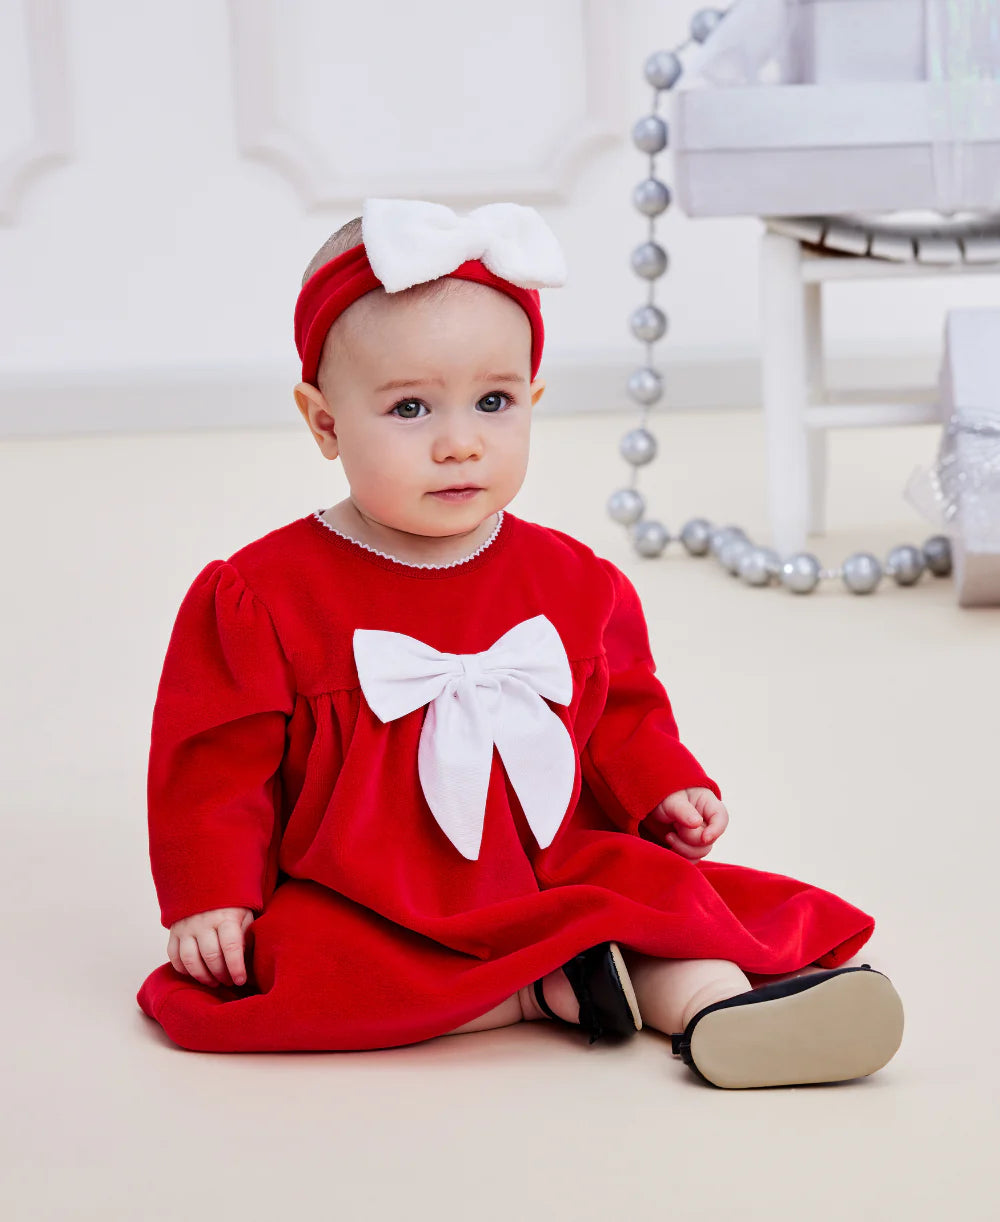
<point>816,393</point>
<point>817,458</point>
<point>784,369</point>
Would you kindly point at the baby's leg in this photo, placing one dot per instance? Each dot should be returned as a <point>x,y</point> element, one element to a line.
<point>672,991</point>
<point>522,1006</point>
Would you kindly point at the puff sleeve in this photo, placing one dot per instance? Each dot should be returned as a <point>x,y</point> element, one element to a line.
<point>216,745</point>
<point>634,757</point>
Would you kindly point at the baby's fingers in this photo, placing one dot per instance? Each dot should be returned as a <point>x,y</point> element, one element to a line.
<point>716,822</point>
<point>173,952</point>
<point>677,809</point>
<point>211,953</point>
<point>231,943</point>
<point>191,962</point>
<point>690,835</point>
<point>691,852</point>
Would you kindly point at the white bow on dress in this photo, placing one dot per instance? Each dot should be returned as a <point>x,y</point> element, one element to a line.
<point>410,241</point>
<point>476,700</point>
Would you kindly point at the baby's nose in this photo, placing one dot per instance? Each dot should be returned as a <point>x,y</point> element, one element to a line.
<point>458,440</point>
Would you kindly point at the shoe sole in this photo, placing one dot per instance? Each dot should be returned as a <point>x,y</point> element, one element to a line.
<point>845,1027</point>
<point>626,982</point>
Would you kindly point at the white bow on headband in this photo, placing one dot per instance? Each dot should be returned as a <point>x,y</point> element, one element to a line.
<point>410,241</point>
<point>475,700</point>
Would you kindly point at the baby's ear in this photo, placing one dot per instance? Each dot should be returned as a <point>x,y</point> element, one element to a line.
<point>316,413</point>
<point>537,390</point>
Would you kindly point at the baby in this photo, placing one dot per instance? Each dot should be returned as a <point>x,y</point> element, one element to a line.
<point>410,750</point>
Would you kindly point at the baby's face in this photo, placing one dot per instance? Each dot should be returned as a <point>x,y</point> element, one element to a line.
<point>426,396</point>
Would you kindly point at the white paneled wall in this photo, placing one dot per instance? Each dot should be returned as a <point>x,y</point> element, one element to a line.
<point>512,101</point>
<point>167,170</point>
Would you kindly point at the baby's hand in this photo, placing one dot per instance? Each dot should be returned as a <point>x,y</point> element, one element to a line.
<point>209,945</point>
<point>689,822</point>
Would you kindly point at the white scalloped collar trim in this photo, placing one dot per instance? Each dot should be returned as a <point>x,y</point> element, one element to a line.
<point>452,564</point>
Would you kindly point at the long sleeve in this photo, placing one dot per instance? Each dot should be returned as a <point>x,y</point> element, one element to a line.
<point>634,757</point>
<point>217,741</point>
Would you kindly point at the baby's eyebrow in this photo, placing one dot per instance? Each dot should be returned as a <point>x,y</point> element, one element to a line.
<point>403,383</point>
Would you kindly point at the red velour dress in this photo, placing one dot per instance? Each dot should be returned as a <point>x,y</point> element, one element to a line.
<point>273,785</point>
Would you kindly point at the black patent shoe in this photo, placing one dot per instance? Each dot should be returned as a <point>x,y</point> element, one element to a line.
<point>601,983</point>
<point>827,1026</point>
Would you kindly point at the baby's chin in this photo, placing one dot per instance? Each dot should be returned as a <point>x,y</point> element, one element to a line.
<point>457,528</point>
<point>441,521</point>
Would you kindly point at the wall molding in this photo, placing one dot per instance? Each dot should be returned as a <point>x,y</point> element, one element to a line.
<point>85,403</point>
<point>320,184</point>
<point>50,142</point>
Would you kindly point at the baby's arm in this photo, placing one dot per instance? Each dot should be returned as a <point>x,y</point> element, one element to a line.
<point>209,945</point>
<point>634,754</point>
<point>217,744</point>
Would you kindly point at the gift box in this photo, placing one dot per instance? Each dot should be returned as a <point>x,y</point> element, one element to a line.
<point>859,40</point>
<point>966,477</point>
<point>818,107</point>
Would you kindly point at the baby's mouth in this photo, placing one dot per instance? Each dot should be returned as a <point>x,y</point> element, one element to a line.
<point>457,492</point>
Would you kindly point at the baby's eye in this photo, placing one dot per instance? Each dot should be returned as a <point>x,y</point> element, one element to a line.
<point>491,402</point>
<point>409,409</point>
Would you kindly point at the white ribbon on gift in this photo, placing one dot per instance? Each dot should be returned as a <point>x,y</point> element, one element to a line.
<point>476,700</point>
<point>410,241</point>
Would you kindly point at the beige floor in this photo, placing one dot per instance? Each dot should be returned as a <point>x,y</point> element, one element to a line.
<point>856,742</point>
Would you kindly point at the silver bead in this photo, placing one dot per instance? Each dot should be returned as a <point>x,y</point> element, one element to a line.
<point>704,22</point>
<point>663,69</point>
<point>649,260</point>
<point>626,506</point>
<point>651,197</point>
<point>800,573</point>
<point>721,536</point>
<point>645,385</point>
<point>905,565</point>
<point>650,538</point>
<point>732,553</point>
<point>937,554</point>
<point>695,536</point>
<point>862,573</point>
<point>638,447</point>
<point>648,323</point>
<point>772,561</point>
<point>754,566</point>
<point>649,135</point>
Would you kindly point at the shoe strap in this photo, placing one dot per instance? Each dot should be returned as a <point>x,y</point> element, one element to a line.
<point>576,970</point>
<point>543,1004</point>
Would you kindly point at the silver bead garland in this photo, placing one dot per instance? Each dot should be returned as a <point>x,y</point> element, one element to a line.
<point>645,386</point>
<point>753,564</point>
<point>650,538</point>
<point>626,506</point>
<point>638,447</point>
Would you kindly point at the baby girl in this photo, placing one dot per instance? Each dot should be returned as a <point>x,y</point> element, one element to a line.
<point>411,770</point>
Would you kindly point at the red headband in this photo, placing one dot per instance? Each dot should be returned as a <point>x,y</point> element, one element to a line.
<point>338,284</point>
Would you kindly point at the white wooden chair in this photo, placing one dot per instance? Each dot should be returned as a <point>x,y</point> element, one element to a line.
<point>798,407</point>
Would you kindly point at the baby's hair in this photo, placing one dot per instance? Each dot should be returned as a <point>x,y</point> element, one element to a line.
<point>346,237</point>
